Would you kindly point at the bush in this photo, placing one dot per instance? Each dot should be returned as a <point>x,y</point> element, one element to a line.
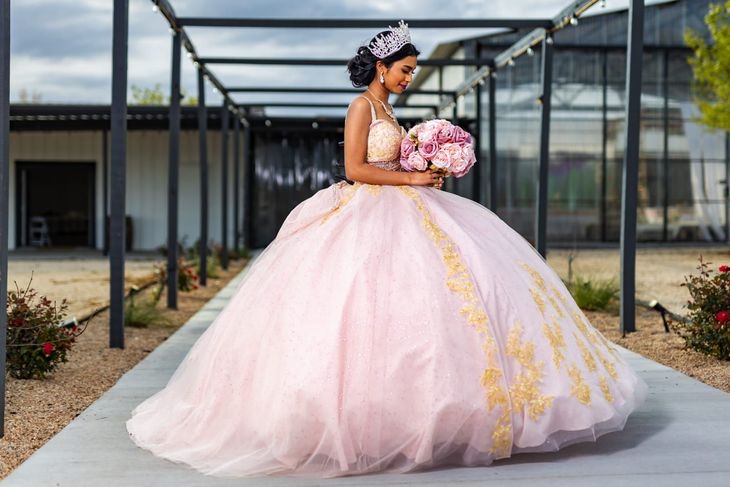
<point>38,339</point>
<point>708,328</point>
<point>593,295</point>
<point>144,313</point>
<point>187,277</point>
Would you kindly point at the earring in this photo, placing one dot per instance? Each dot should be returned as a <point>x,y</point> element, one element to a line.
<point>382,79</point>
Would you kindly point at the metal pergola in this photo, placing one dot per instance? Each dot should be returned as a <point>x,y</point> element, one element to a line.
<point>242,112</point>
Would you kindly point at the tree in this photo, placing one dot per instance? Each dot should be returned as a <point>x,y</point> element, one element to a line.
<point>711,66</point>
<point>155,96</point>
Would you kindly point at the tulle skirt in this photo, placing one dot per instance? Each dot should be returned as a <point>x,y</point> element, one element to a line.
<point>388,328</point>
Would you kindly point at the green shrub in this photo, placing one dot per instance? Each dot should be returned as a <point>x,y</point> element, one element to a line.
<point>38,338</point>
<point>708,328</point>
<point>593,294</point>
<point>142,313</point>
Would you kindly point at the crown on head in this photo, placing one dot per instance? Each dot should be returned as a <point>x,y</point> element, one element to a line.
<point>386,44</point>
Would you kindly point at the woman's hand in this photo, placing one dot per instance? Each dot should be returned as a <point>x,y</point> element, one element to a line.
<point>426,178</point>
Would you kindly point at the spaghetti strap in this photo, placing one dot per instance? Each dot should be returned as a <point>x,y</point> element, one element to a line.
<point>372,109</point>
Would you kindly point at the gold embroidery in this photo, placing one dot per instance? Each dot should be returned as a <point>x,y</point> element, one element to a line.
<point>555,306</point>
<point>459,282</point>
<point>535,276</point>
<point>561,297</point>
<point>587,357</point>
<point>374,189</point>
<point>524,390</point>
<point>538,300</point>
<point>579,389</point>
<point>605,390</point>
<point>607,364</point>
<point>554,334</point>
<point>348,192</point>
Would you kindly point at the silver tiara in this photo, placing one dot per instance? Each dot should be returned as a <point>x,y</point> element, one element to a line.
<point>386,44</point>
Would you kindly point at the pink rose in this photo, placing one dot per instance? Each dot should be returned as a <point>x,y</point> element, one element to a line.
<point>469,158</point>
<point>461,136</point>
<point>441,159</point>
<point>406,148</point>
<point>445,134</point>
<point>428,148</point>
<point>425,135</point>
<point>416,162</point>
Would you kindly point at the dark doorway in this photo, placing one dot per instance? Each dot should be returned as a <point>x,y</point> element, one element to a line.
<point>55,204</point>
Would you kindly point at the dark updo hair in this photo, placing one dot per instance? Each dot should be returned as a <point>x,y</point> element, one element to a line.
<point>362,66</point>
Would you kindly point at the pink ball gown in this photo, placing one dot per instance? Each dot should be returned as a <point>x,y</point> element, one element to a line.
<point>388,328</point>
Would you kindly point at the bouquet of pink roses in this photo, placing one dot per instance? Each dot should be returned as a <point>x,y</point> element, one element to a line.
<point>438,144</point>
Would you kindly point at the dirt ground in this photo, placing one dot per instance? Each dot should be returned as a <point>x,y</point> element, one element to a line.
<point>659,271</point>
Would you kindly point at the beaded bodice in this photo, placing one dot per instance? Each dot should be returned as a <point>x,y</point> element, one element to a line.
<point>384,139</point>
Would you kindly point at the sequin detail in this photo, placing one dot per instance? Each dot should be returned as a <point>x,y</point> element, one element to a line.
<point>459,281</point>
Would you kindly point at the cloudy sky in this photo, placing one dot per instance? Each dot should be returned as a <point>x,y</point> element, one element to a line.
<point>61,49</point>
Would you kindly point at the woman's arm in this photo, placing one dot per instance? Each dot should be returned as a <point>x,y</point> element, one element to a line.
<point>356,146</point>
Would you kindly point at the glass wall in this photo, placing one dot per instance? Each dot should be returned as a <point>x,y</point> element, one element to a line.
<point>682,166</point>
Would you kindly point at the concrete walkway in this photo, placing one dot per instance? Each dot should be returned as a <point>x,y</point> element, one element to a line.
<point>680,437</point>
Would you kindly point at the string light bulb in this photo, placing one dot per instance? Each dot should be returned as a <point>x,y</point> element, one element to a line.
<point>511,62</point>
<point>574,20</point>
<point>155,8</point>
<point>530,52</point>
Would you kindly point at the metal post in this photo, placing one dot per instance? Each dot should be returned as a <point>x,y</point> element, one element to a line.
<point>203,155</point>
<point>118,174</point>
<point>604,150</point>
<point>542,184</point>
<point>236,180</point>
<point>4,191</point>
<point>630,174</point>
<point>105,189</point>
<point>173,174</point>
<point>493,183</point>
<point>224,185</point>
<point>477,176</point>
<point>665,168</point>
<point>248,185</point>
<point>727,187</point>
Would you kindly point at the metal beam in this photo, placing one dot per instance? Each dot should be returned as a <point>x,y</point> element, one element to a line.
<point>236,180</point>
<point>203,156</point>
<point>118,173</point>
<point>333,61</point>
<point>173,174</point>
<point>262,104</point>
<point>493,174</point>
<point>224,185</point>
<point>263,89</point>
<point>544,160</point>
<point>4,192</point>
<point>249,173</point>
<point>362,23</point>
<point>630,175</point>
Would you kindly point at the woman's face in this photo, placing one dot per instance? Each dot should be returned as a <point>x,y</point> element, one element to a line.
<point>400,74</point>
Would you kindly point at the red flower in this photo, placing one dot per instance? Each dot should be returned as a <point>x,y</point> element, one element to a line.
<point>724,268</point>
<point>48,348</point>
<point>17,322</point>
<point>722,317</point>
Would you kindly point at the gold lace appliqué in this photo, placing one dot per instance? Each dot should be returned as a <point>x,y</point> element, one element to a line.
<point>524,390</point>
<point>459,281</point>
<point>348,192</point>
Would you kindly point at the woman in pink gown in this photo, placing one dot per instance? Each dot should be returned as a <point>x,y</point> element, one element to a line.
<point>390,326</point>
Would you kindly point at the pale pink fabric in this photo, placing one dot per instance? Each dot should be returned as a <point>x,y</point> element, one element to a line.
<point>388,328</point>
